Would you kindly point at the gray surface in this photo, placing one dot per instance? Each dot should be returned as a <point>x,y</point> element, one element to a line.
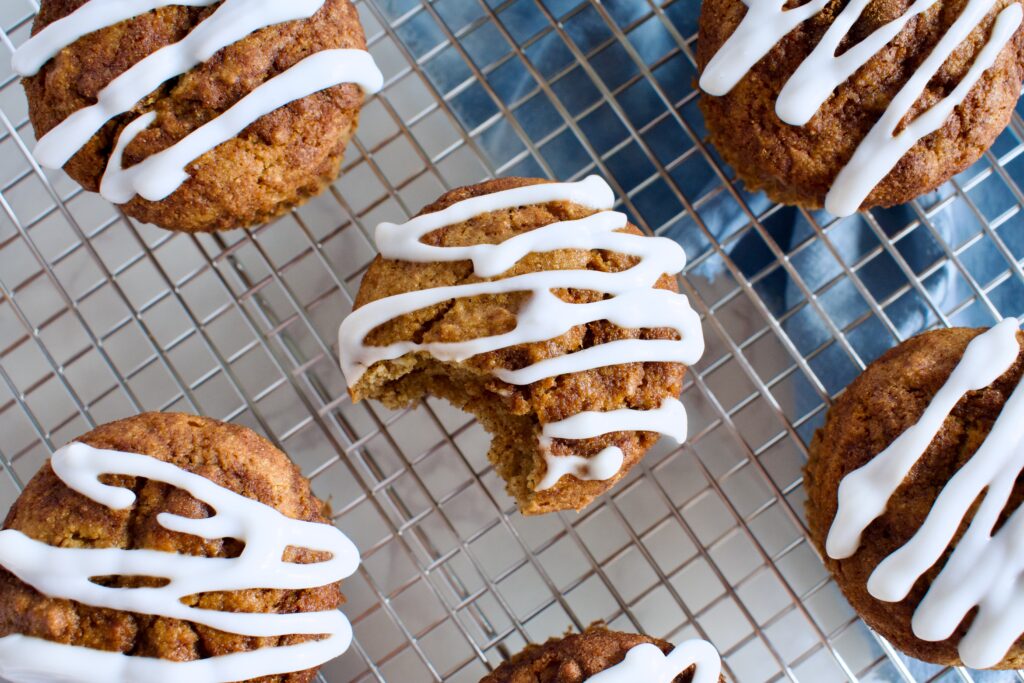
<point>101,318</point>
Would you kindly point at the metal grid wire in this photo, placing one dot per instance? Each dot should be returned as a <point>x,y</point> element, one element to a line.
<point>101,318</point>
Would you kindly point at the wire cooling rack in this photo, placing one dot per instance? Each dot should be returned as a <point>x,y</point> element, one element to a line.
<point>101,318</point>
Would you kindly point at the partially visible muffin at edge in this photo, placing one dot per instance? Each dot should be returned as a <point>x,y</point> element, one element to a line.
<point>886,400</point>
<point>275,164</point>
<point>514,414</point>
<point>575,658</point>
<point>798,164</point>
<point>231,456</point>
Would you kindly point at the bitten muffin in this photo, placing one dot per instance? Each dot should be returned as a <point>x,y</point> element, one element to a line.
<point>231,456</point>
<point>514,415</point>
<point>575,658</point>
<point>880,405</point>
<point>276,163</point>
<point>798,164</point>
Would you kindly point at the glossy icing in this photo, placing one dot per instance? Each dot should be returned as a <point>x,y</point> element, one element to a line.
<point>985,567</point>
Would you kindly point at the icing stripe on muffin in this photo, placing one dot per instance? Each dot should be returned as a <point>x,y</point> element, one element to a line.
<point>767,22</point>
<point>232,21</point>
<point>984,568</point>
<point>66,573</point>
<point>634,303</point>
<point>648,663</point>
<point>670,420</point>
<point>159,175</point>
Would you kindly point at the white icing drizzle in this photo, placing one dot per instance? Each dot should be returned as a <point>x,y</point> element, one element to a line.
<point>822,72</point>
<point>670,420</point>
<point>765,24</point>
<point>160,174</point>
<point>649,664</point>
<point>402,242</point>
<point>232,21</point>
<point>985,568</point>
<point>634,303</point>
<point>881,150</point>
<point>817,77</point>
<point>92,16</point>
<point>600,467</point>
<point>66,572</point>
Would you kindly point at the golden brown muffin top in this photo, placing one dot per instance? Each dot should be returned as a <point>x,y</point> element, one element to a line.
<point>880,405</point>
<point>797,164</point>
<point>231,456</point>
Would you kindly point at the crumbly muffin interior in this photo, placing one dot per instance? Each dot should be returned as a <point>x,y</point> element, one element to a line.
<point>514,446</point>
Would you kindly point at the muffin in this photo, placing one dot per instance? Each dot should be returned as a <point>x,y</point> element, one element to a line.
<point>795,151</point>
<point>913,440</point>
<point>246,487</point>
<point>271,153</point>
<point>514,300</point>
<point>576,658</point>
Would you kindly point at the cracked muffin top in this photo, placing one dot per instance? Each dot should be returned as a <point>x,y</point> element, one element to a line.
<point>231,456</point>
